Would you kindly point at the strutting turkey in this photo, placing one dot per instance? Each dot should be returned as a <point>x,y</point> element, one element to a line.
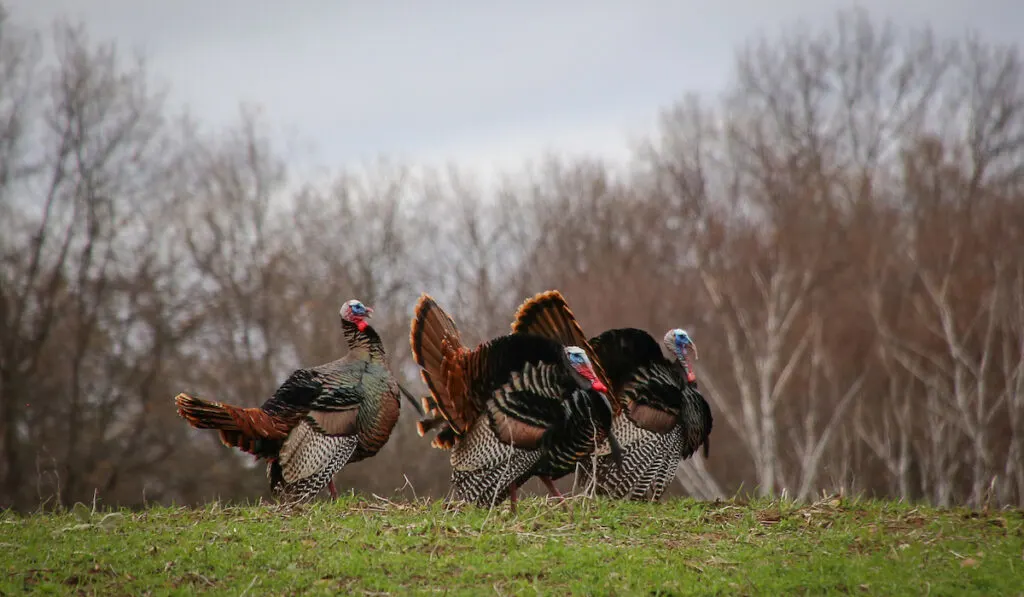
<point>664,419</point>
<point>512,407</point>
<point>320,419</point>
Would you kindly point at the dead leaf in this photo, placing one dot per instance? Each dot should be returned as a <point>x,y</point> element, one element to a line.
<point>110,521</point>
<point>81,512</point>
<point>969,563</point>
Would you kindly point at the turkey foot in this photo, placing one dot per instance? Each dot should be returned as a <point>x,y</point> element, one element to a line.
<point>332,489</point>
<point>552,490</point>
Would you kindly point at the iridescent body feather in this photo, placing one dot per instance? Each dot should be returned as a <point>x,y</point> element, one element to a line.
<point>661,416</point>
<point>319,420</point>
<point>502,407</point>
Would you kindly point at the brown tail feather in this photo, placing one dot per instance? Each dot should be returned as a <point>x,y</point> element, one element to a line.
<point>445,439</point>
<point>437,348</point>
<point>426,424</point>
<point>247,429</point>
<point>548,314</point>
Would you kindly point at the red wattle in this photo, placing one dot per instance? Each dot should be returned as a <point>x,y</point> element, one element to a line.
<point>597,385</point>
<point>361,325</point>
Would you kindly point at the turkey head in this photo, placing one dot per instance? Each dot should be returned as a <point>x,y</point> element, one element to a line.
<point>357,313</point>
<point>678,343</point>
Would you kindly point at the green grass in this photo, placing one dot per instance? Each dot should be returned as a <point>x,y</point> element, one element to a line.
<point>678,547</point>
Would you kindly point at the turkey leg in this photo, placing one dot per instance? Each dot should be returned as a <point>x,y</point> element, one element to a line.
<point>551,488</point>
<point>332,489</point>
<point>512,497</point>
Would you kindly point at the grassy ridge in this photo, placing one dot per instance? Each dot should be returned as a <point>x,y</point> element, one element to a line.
<point>680,547</point>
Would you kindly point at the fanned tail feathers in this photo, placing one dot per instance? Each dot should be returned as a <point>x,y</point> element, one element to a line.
<point>433,419</point>
<point>247,429</point>
<point>205,414</point>
<point>427,423</point>
<point>548,314</point>
<point>437,349</point>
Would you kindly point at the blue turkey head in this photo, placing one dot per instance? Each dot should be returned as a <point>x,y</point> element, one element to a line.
<point>679,343</point>
<point>356,312</point>
<point>580,363</point>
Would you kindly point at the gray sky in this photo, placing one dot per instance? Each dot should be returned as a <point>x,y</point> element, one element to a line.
<point>481,83</point>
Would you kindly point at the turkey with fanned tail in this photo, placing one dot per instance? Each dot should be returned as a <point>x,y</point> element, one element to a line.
<point>514,406</point>
<point>664,419</point>
<point>319,420</point>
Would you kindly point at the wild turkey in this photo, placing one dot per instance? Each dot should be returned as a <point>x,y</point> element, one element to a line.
<point>664,419</point>
<point>512,407</point>
<point>320,419</point>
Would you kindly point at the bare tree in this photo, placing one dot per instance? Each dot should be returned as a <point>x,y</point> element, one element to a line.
<point>841,233</point>
<point>1012,357</point>
<point>19,68</point>
<point>75,298</point>
<point>766,349</point>
<point>373,234</point>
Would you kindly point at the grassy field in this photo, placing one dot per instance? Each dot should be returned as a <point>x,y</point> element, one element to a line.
<point>359,546</point>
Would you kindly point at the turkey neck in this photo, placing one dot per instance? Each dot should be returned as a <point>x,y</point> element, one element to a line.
<point>682,368</point>
<point>364,345</point>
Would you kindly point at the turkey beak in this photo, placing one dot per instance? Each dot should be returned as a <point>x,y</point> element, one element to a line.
<point>361,324</point>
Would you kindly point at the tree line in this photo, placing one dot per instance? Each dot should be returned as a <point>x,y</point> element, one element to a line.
<point>841,230</point>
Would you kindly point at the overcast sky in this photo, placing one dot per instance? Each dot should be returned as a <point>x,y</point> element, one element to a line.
<point>478,82</point>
